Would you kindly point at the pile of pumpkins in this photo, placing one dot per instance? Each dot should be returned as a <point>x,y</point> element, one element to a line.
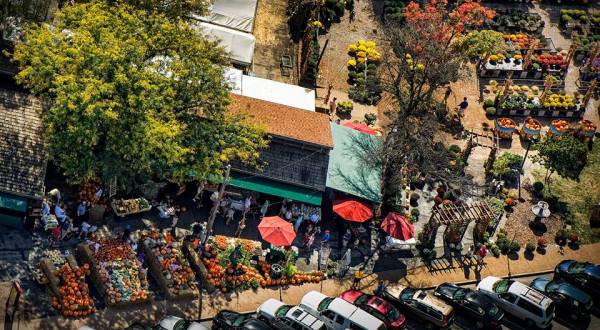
<point>73,296</point>
<point>174,267</point>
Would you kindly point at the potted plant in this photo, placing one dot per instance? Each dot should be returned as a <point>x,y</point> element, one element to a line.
<point>370,118</point>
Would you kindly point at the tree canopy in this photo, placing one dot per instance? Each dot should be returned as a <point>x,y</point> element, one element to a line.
<point>132,95</point>
<point>564,155</point>
<point>478,43</point>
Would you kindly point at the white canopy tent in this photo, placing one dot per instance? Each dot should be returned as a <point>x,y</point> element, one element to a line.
<point>239,45</point>
<point>234,14</point>
<point>270,90</point>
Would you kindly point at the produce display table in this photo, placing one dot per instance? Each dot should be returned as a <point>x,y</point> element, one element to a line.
<point>115,272</point>
<point>123,207</point>
<point>505,127</point>
<point>531,128</point>
<point>190,250</point>
<point>169,267</point>
<point>66,281</point>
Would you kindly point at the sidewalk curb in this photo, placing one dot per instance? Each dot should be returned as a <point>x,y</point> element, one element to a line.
<point>542,272</point>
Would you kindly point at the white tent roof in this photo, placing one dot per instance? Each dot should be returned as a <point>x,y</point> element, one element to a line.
<point>270,90</point>
<point>235,14</point>
<point>239,45</point>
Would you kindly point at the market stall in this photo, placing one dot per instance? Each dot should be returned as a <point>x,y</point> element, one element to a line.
<point>234,264</point>
<point>123,207</point>
<point>169,266</point>
<point>530,101</point>
<point>66,281</point>
<point>115,272</point>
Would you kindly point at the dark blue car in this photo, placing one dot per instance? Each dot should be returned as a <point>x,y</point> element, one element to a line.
<point>570,300</point>
<point>583,275</point>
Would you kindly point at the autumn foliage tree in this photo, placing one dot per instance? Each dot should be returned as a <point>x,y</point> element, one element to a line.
<point>425,60</point>
<point>132,95</point>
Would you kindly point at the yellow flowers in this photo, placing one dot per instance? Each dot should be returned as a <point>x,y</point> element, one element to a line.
<point>317,24</point>
<point>420,67</point>
<point>518,57</point>
<point>351,62</point>
<point>364,51</point>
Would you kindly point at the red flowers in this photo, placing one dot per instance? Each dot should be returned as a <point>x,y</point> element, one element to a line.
<point>552,61</point>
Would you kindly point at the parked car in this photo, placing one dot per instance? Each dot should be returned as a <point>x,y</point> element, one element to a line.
<point>227,320</point>
<point>567,297</point>
<point>584,275</point>
<point>427,307</point>
<point>516,298</point>
<point>476,304</point>
<point>377,307</point>
<point>177,323</point>
<point>282,316</point>
<point>338,314</point>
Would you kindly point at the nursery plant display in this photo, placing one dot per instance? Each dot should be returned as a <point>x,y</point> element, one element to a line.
<point>73,297</point>
<point>345,107</point>
<point>573,19</point>
<point>115,271</point>
<point>229,266</point>
<point>531,128</point>
<point>529,101</point>
<point>169,266</point>
<point>515,21</point>
<point>505,127</point>
<point>362,72</point>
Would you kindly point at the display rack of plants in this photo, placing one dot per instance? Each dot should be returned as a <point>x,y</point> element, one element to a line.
<point>393,10</point>
<point>362,72</point>
<point>573,20</point>
<point>66,280</point>
<point>515,21</point>
<point>585,43</point>
<point>169,267</point>
<point>511,64</point>
<point>531,128</point>
<point>115,272</point>
<point>235,265</point>
<point>522,102</point>
<point>522,41</point>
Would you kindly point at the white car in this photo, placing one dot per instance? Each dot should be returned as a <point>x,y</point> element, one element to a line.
<point>177,323</point>
<point>518,299</point>
<point>282,316</point>
<point>338,314</point>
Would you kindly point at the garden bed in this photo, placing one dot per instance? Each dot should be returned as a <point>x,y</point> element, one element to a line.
<point>115,272</point>
<point>169,267</point>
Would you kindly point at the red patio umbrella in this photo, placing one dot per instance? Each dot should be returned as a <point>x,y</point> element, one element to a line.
<point>352,210</point>
<point>398,226</point>
<point>276,231</point>
<point>360,127</point>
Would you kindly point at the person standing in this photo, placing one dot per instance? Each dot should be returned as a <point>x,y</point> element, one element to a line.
<point>82,211</point>
<point>264,208</point>
<point>483,251</point>
<point>462,107</point>
<point>358,276</point>
<point>380,288</point>
<point>332,106</point>
<point>298,222</point>
<point>229,215</point>
<point>59,212</point>
<point>199,193</point>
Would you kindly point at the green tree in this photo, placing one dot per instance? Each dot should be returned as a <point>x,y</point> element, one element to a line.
<point>481,43</point>
<point>132,95</point>
<point>564,155</point>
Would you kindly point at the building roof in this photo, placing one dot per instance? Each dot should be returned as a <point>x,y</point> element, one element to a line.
<point>347,172</point>
<point>285,121</point>
<point>23,152</point>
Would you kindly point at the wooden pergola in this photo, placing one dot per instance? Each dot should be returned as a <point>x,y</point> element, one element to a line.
<point>449,214</point>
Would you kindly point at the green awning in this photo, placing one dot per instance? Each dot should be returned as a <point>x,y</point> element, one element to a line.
<point>12,202</point>
<point>279,189</point>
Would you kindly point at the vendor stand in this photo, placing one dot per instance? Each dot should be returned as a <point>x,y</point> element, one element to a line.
<point>66,281</point>
<point>169,266</point>
<point>233,264</point>
<point>505,127</point>
<point>124,207</point>
<point>115,272</point>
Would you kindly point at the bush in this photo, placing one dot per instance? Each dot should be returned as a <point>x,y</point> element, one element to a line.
<point>488,103</point>
<point>486,237</point>
<point>345,107</point>
<point>490,111</point>
<point>454,149</point>
<point>414,197</point>
<point>503,166</point>
<point>370,118</point>
<point>495,251</point>
<point>529,247</point>
<point>515,246</point>
<point>415,212</point>
<point>538,186</point>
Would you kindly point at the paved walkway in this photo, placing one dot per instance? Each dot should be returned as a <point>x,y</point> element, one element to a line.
<point>111,318</point>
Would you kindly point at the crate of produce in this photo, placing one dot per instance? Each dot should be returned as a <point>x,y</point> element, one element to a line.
<point>505,127</point>
<point>123,207</point>
<point>531,128</point>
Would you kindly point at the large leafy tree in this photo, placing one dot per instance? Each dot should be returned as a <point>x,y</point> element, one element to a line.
<point>426,60</point>
<point>132,95</point>
<point>564,155</point>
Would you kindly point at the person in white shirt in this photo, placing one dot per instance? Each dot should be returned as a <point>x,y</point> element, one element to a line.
<point>59,212</point>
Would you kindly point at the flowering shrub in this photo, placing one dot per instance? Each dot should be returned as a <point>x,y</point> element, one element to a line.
<point>362,72</point>
<point>547,61</point>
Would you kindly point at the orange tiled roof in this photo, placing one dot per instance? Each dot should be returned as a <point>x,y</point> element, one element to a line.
<point>286,121</point>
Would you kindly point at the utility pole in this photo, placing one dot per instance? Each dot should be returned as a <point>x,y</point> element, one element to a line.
<point>215,208</point>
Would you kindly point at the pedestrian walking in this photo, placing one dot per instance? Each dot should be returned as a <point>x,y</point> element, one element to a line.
<point>326,237</point>
<point>483,251</point>
<point>298,222</point>
<point>351,17</point>
<point>358,276</point>
<point>462,107</point>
